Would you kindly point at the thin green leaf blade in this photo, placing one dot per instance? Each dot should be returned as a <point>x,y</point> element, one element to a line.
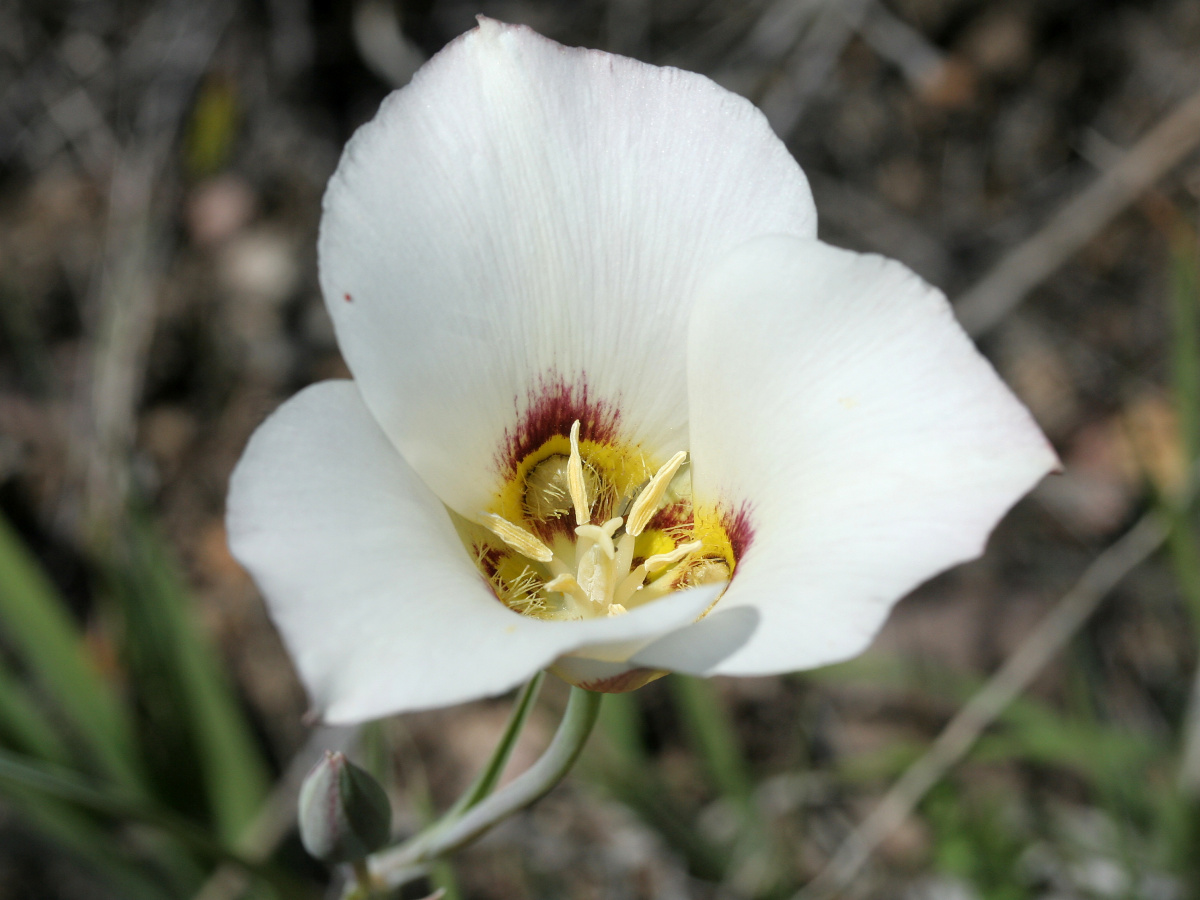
<point>41,634</point>
<point>233,769</point>
<point>24,726</point>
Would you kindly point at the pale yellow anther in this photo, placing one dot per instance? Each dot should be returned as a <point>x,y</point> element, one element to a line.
<point>646,504</point>
<point>566,584</point>
<point>575,480</point>
<point>516,537</point>
<point>601,537</point>
<point>663,560</point>
<point>616,609</point>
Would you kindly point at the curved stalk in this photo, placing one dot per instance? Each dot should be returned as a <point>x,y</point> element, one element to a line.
<point>489,777</point>
<point>394,867</point>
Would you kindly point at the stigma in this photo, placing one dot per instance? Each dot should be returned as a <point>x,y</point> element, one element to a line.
<point>589,539</point>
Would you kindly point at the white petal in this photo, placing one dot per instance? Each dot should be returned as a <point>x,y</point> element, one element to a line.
<point>837,403</point>
<point>525,222</point>
<point>621,649</point>
<point>378,602</point>
<point>701,647</point>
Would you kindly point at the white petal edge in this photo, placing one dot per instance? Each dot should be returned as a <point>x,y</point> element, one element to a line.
<point>836,400</point>
<point>376,598</point>
<point>701,647</point>
<point>525,216</point>
<point>694,650</point>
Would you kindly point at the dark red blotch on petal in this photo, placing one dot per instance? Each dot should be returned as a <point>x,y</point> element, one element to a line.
<point>672,516</point>
<point>489,559</point>
<point>739,528</point>
<point>552,407</point>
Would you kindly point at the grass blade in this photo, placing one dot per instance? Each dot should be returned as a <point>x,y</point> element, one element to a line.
<point>76,834</point>
<point>24,776</point>
<point>48,644</point>
<point>22,724</point>
<point>190,698</point>
<point>712,736</point>
<point>485,782</point>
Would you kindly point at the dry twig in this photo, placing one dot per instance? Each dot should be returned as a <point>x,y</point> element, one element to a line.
<point>1072,611</point>
<point>829,27</point>
<point>1035,259</point>
<point>162,64</point>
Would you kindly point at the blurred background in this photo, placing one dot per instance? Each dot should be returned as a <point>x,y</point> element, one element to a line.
<point>1020,729</point>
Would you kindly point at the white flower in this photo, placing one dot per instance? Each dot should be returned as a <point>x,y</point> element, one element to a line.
<point>529,237</point>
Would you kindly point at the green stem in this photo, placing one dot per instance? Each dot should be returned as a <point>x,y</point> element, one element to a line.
<point>400,864</point>
<point>364,886</point>
<point>487,779</point>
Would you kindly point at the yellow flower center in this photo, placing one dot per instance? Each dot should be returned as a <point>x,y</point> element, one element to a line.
<point>634,538</point>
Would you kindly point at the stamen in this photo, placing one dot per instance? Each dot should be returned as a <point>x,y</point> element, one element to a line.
<point>616,609</point>
<point>566,584</point>
<point>578,487</point>
<point>523,594</point>
<point>664,560</point>
<point>630,585</point>
<point>516,537</point>
<point>663,585</point>
<point>646,504</point>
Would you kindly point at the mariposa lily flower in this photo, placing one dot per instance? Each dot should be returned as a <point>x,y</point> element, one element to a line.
<point>615,410</point>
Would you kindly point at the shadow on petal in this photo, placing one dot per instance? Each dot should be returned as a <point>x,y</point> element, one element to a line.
<point>698,648</point>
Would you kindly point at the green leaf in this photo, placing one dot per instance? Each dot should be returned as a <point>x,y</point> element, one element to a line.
<point>75,833</point>
<point>183,687</point>
<point>620,729</point>
<point>23,776</point>
<point>619,763</point>
<point>486,781</point>
<point>1036,733</point>
<point>24,726</point>
<point>712,735</point>
<point>49,646</point>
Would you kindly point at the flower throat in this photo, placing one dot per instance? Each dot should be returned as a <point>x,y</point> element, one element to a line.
<point>634,539</point>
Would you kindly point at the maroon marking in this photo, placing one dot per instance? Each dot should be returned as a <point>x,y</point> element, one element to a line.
<point>549,529</point>
<point>667,517</point>
<point>623,683</point>
<point>347,298</point>
<point>739,529</point>
<point>489,559</point>
<point>552,407</point>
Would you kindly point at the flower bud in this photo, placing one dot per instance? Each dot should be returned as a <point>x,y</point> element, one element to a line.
<point>344,813</point>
